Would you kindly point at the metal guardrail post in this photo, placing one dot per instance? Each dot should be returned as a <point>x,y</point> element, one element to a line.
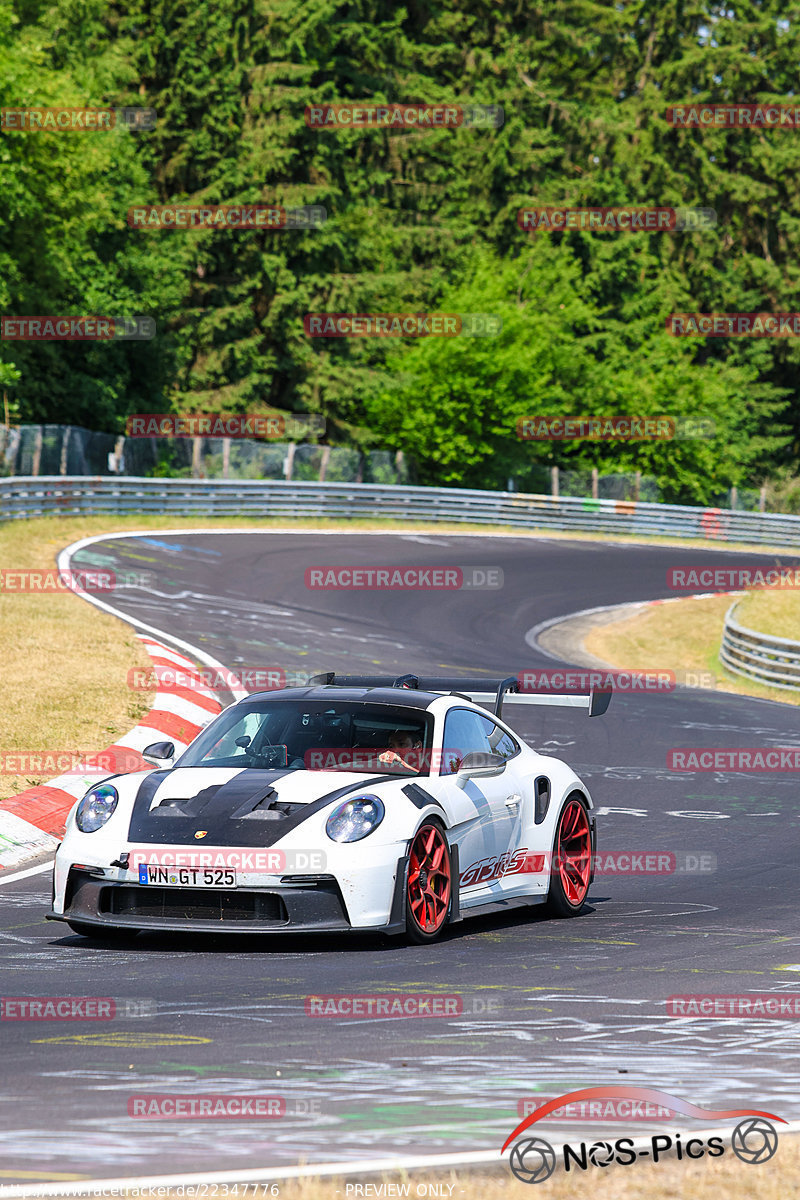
<point>37,450</point>
<point>64,449</point>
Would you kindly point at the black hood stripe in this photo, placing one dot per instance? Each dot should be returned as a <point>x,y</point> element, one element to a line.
<point>222,811</point>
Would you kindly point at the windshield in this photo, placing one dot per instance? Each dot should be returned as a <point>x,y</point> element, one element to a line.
<point>316,735</point>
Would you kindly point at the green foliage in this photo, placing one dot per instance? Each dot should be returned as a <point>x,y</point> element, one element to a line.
<point>457,404</point>
<point>418,221</point>
<point>64,245</point>
<point>9,375</point>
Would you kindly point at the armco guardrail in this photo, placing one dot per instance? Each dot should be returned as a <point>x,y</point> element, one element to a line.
<point>760,656</point>
<point>22,497</point>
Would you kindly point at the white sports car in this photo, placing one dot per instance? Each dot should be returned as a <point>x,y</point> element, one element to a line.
<point>351,804</point>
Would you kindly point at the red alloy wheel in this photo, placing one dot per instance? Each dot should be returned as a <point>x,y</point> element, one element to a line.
<point>429,883</point>
<point>574,850</point>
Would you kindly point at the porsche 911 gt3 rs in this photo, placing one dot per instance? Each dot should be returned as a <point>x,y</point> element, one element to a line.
<point>355,803</point>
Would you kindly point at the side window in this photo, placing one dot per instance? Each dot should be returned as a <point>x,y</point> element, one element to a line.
<point>464,732</point>
<point>501,742</point>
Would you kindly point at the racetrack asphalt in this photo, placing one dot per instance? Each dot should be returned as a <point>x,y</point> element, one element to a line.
<point>549,1006</point>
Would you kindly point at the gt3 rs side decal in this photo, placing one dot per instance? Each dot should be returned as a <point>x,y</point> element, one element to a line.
<point>512,862</point>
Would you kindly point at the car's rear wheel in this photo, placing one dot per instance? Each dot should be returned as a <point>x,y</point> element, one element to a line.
<point>571,868</point>
<point>429,885</point>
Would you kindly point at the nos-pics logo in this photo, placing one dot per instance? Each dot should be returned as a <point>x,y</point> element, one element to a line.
<point>533,1160</point>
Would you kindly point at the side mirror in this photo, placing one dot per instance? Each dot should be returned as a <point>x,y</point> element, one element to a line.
<point>159,752</point>
<point>479,765</point>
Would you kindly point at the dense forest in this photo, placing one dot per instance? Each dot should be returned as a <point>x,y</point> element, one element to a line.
<point>419,220</point>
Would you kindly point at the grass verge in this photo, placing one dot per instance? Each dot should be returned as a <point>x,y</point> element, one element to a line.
<point>706,1179</point>
<point>775,612</point>
<point>686,634</point>
<point>64,662</point>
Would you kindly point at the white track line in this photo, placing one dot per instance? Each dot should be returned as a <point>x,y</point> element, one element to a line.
<point>48,866</point>
<point>64,559</point>
<point>346,1169</point>
<point>628,607</point>
<point>434,531</point>
<point>532,636</point>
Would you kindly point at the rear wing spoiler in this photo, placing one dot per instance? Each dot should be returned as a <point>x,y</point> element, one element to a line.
<point>596,702</point>
<point>489,693</point>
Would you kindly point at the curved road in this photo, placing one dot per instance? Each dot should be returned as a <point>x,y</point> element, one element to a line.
<point>549,1006</point>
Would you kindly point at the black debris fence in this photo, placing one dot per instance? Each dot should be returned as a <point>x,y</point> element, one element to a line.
<point>621,486</point>
<point>34,451</point>
<point>54,450</point>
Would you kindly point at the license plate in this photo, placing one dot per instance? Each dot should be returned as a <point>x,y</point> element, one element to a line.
<point>194,877</point>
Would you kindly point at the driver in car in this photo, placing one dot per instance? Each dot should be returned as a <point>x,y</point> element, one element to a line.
<point>402,740</point>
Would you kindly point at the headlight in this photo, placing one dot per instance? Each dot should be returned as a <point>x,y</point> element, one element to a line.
<point>96,807</point>
<point>354,819</point>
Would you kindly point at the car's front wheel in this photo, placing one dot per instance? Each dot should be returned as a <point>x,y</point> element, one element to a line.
<point>429,885</point>
<point>571,868</point>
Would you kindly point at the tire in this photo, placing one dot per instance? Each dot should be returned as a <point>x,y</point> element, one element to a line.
<point>429,885</point>
<point>101,932</point>
<point>571,868</point>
